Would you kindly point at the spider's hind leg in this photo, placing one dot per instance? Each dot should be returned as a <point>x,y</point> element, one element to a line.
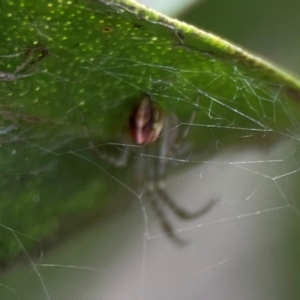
<point>118,162</point>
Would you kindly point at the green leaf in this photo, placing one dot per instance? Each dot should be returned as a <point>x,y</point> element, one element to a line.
<point>71,73</point>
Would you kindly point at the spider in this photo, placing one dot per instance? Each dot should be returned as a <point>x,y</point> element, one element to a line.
<point>158,135</point>
<point>32,56</point>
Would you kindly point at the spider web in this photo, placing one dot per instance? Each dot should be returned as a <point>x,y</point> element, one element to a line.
<point>242,151</point>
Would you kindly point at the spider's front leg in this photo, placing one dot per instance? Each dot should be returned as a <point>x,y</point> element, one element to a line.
<point>181,212</point>
<point>157,195</point>
<point>166,225</point>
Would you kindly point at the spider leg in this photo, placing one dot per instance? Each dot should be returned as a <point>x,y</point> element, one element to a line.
<point>117,162</point>
<point>184,134</point>
<point>167,153</point>
<point>182,213</point>
<point>166,225</point>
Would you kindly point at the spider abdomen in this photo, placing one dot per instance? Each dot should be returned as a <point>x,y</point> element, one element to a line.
<point>146,121</point>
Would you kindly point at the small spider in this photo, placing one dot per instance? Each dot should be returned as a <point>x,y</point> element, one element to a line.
<point>32,56</point>
<point>158,135</point>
